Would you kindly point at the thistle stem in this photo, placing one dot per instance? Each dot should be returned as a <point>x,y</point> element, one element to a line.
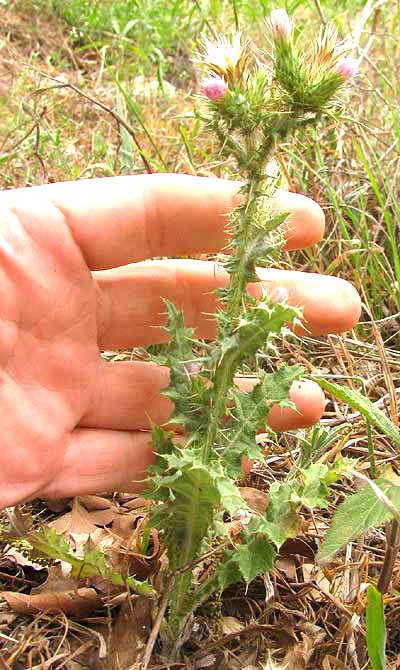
<point>225,370</point>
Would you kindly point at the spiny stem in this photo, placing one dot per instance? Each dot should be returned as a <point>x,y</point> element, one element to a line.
<point>225,371</point>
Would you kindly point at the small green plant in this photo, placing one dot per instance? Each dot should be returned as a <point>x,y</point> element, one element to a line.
<point>252,109</point>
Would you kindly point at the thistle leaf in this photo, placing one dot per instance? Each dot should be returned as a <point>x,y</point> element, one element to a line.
<point>249,414</point>
<point>94,562</point>
<point>254,558</point>
<point>190,494</point>
<point>282,517</point>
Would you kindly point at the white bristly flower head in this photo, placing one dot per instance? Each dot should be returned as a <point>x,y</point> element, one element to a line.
<point>280,26</point>
<point>227,58</point>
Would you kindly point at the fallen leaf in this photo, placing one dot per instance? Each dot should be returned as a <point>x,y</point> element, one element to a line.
<point>230,624</point>
<point>92,503</point>
<point>332,663</point>
<point>287,565</point>
<point>128,634</point>
<point>57,581</point>
<point>299,655</point>
<point>77,603</point>
<point>137,503</point>
<point>78,520</point>
<point>255,499</point>
<point>14,559</point>
<point>86,514</point>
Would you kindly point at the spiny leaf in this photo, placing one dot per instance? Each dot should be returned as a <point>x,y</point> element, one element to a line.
<point>191,494</point>
<point>364,405</point>
<point>50,543</point>
<point>93,563</point>
<point>317,478</point>
<point>375,629</point>
<point>282,517</point>
<point>285,499</point>
<point>360,512</point>
<point>254,558</point>
<point>230,495</point>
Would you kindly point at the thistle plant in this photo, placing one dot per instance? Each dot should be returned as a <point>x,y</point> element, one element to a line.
<point>252,108</point>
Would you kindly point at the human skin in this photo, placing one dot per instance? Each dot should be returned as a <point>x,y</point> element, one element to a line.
<point>74,280</point>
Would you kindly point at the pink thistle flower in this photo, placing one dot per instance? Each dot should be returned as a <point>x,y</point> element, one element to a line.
<point>347,68</point>
<point>280,25</point>
<point>214,87</point>
<point>195,369</point>
<point>279,294</point>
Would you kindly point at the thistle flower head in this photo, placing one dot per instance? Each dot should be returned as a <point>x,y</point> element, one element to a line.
<point>347,67</point>
<point>214,87</point>
<point>195,369</point>
<point>228,58</point>
<point>280,26</point>
<point>327,50</point>
<point>279,294</point>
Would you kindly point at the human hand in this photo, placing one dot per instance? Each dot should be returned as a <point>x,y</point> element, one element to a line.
<point>74,281</point>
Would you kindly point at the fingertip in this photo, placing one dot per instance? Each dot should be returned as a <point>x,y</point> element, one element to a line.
<point>310,404</point>
<point>346,308</point>
<point>335,307</point>
<point>305,224</point>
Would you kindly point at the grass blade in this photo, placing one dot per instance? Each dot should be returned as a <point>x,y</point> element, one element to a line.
<point>375,629</point>
<point>364,405</point>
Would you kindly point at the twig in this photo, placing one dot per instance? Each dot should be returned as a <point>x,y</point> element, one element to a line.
<point>156,627</point>
<point>392,548</point>
<point>320,12</point>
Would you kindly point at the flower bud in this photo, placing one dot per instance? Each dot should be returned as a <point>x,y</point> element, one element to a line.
<point>280,25</point>
<point>194,369</point>
<point>214,87</point>
<point>347,68</point>
<point>279,294</point>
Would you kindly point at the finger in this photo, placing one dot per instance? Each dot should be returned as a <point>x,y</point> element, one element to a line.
<point>131,308</point>
<point>102,460</point>
<point>120,220</point>
<point>305,224</point>
<point>310,404</point>
<point>128,397</point>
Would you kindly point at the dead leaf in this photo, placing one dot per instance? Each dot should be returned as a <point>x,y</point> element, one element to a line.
<point>14,556</point>
<point>287,565</point>
<point>128,634</point>
<point>78,520</point>
<point>299,655</point>
<point>84,518</point>
<point>77,603</point>
<point>332,663</point>
<point>58,505</point>
<point>56,581</point>
<point>245,660</point>
<point>299,545</point>
<point>92,503</point>
<point>137,503</point>
<point>209,662</point>
<point>230,624</point>
<point>255,499</point>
